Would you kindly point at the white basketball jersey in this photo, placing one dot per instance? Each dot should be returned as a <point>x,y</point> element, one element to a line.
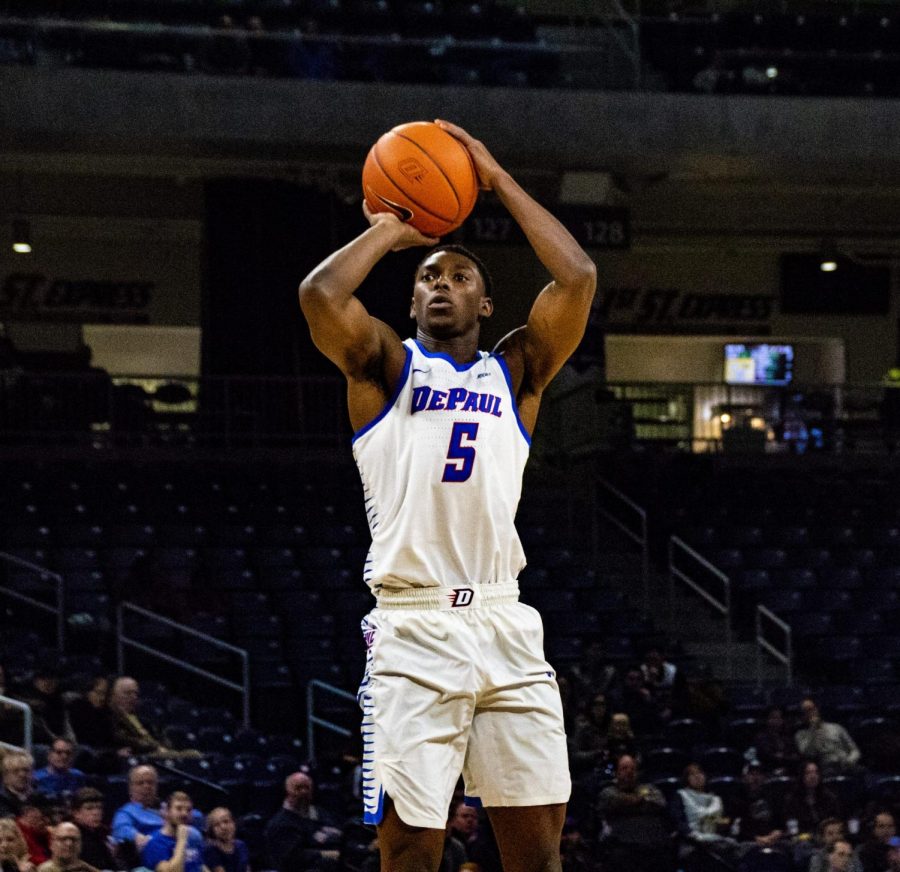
<point>441,468</point>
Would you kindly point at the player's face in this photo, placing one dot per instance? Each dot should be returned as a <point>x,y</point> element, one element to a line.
<point>448,297</point>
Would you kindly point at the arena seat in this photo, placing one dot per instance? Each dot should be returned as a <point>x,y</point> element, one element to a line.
<point>722,761</point>
<point>664,761</point>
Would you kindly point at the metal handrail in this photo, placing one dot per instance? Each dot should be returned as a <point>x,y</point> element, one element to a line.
<point>45,575</point>
<point>785,656</point>
<point>313,721</point>
<point>122,641</point>
<point>27,725</point>
<point>641,538</point>
<point>722,606</point>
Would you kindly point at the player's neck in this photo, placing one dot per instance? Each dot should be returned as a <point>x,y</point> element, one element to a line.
<point>463,349</point>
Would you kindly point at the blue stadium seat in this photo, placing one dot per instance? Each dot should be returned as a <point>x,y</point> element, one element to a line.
<point>765,860</point>
<point>766,558</point>
<point>722,761</point>
<point>668,761</point>
<point>686,733</point>
<point>728,787</point>
<point>795,578</point>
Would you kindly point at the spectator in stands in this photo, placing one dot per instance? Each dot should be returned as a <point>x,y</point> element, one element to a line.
<point>702,697</point>
<point>58,777</point>
<point>18,782</point>
<point>87,814</point>
<point>829,832</point>
<point>873,852</point>
<point>90,716</point>
<point>176,846</point>
<point>593,672</point>
<point>774,744</point>
<point>34,823</point>
<point>13,850</point>
<point>130,735</point>
<point>640,830</point>
<point>620,738</point>
<point>454,851</point>
<point>658,671</point>
<point>587,739</point>
<point>700,818</point>
<point>301,835</point>
<point>636,700</point>
<point>462,823</point>
<point>894,855</point>
<point>840,857</point>
<point>574,850</point>
<point>222,852</point>
<point>757,822</point>
<point>135,822</point>
<point>809,803</point>
<point>65,851</point>
<point>48,708</point>
<point>828,744</point>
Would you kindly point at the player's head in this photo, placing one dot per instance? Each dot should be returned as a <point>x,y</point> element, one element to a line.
<point>452,292</point>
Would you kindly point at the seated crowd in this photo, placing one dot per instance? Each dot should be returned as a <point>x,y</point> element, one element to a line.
<point>802,790</point>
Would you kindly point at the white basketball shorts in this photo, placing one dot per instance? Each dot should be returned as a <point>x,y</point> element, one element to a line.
<point>456,682</point>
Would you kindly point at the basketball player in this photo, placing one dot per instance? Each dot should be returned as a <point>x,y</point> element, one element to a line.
<point>456,679</point>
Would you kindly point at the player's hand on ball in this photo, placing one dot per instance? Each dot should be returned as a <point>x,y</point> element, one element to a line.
<point>407,235</point>
<point>485,164</point>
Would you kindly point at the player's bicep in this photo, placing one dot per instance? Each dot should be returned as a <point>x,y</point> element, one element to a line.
<point>341,329</point>
<point>555,326</point>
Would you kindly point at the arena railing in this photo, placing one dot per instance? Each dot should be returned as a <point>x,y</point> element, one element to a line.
<point>27,724</point>
<point>708,582</point>
<point>32,575</point>
<point>124,641</point>
<point>769,624</point>
<point>101,411</point>
<point>623,512</point>
<point>313,720</point>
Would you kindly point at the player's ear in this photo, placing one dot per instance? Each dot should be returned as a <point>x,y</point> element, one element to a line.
<point>487,307</point>
<point>412,308</point>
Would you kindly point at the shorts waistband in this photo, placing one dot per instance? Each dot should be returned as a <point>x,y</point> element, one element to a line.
<point>474,596</point>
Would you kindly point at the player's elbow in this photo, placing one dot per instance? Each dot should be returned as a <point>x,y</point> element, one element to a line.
<point>582,280</point>
<point>313,296</point>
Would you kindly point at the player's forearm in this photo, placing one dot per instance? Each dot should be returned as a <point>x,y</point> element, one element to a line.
<point>339,276</point>
<point>556,248</point>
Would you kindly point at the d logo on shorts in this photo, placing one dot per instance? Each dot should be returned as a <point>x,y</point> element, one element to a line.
<point>461,597</point>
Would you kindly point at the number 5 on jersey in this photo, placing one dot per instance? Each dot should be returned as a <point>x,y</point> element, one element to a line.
<point>461,452</point>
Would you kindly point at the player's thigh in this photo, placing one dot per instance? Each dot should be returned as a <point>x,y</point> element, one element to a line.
<point>404,848</point>
<point>529,836</point>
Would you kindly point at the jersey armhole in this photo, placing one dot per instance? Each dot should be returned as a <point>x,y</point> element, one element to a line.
<point>404,375</point>
<point>512,397</point>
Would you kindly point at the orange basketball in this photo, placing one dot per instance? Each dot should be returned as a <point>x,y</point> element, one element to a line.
<point>421,173</point>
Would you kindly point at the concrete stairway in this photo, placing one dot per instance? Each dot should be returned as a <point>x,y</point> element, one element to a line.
<point>687,619</point>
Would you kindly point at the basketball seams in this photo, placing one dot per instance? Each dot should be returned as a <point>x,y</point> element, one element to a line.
<point>406,194</point>
<point>396,178</point>
<point>437,166</point>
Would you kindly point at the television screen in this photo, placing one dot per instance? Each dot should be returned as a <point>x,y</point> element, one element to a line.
<point>758,364</point>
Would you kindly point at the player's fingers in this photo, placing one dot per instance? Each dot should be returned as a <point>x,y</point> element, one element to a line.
<point>455,130</point>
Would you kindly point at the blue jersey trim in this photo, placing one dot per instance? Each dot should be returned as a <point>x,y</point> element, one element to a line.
<point>390,403</point>
<point>502,361</point>
<point>459,367</point>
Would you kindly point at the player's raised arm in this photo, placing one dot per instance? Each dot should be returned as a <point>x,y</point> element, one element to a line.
<point>560,313</point>
<point>341,327</point>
